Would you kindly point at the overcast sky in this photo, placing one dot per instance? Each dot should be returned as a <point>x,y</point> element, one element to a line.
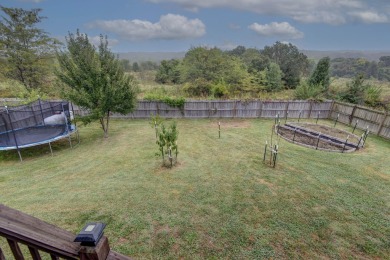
<point>177,25</point>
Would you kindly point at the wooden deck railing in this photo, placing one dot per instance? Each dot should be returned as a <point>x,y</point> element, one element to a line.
<point>19,228</point>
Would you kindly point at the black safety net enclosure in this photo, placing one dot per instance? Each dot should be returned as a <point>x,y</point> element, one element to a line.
<point>39,122</point>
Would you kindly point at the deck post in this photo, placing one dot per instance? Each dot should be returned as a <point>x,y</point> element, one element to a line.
<point>99,252</point>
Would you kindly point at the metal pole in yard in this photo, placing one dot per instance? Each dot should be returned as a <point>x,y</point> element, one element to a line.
<point>337,119</point>
<point>318,116</point>
<point>299,117</point>
<point>155,128</point>
<point>357,121</point>
<point>295,131</point>
<point>285,121</point>
<point>365,137</point>
<point>219,130</point>
<point>275,154</point>
<point>361,138</point>
<point>170,155</point>
<point>265,150</point>
<point>318,140</point>
<point>346,141</point>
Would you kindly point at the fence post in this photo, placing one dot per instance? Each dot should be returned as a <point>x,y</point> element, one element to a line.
<point>331,110</point>
<point>260,109</point>
<point>235,109</point>
<point>286,109</point>
<point>310,108</point>
<point>385,115</point>
<point>209,107</point>
<point>352,114</point>
<point>158,108</point>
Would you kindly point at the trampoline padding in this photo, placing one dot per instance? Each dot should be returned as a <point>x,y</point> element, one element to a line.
<point>31,135</point>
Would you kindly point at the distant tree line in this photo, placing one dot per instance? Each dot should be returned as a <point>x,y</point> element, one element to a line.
<point>350,67</point>
<point>29,56</point>
<point>213,72</point>
<point>138,66</point>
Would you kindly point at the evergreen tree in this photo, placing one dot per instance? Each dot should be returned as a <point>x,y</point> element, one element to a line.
<point>320,76</point>
<point>27,49</point>
<point>95,80</point>
<point>273,78</point>
<point>355,91</point>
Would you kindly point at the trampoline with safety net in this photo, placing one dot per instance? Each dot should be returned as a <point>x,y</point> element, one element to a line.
<point>37,123</point>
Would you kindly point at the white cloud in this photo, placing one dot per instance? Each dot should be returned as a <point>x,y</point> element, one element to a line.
<point>169,27</point>
<point>308,11</point>
<point>283,30</point>
<point>227,46</point>
<point>95,40</point>
<point>370,17</point>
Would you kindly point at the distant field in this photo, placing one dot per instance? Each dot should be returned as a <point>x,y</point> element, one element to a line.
<point>148,85</point>
<point>340,83</point>
<point>220,202</point>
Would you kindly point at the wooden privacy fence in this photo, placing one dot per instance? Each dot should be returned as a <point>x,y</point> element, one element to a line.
<point>232,109</point>
<point>377,121</point>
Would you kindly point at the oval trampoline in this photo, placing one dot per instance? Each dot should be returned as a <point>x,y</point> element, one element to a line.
<point>40,122</point>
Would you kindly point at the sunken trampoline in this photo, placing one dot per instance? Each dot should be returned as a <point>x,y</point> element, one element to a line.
<point>37,123</point>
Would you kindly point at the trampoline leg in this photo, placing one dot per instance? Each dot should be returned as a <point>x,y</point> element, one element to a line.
<point>20,156</point>
<point>51,150</point>
<point>78,136</point>
<point>70,142</point>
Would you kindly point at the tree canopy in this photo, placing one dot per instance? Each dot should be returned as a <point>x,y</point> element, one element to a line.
<point>95,80</point>
<point>27,49</point>
<point>292,62</point>
<point>321,75</point>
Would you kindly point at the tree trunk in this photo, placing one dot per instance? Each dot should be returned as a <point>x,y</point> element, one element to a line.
<point>103,125</point>
<point>107,121</point>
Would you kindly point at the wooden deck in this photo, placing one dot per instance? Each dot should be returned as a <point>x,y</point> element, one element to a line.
<point>37,235</point>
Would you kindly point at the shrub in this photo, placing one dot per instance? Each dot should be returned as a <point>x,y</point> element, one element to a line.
<point>307,91</point>
<point>199,88</point>
<point>220,89</point>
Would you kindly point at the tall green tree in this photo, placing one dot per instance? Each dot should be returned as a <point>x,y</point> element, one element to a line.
<point>273,78</point>
<point>95,80</point>
<point>355,92</point>
<point>27,49</point>
<point>291,61</point>
<point>135,67</point>
<point>321,76</point>
<point>203,67</point>
<point>168,72</point>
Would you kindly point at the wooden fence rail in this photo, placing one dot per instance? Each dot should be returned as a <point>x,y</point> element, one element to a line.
<point>377,121</point>
<point>42,238</point>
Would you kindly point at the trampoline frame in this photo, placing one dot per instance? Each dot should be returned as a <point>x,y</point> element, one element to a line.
<point>69,130</point>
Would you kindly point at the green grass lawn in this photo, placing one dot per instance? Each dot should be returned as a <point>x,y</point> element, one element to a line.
<point>220,201</point>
